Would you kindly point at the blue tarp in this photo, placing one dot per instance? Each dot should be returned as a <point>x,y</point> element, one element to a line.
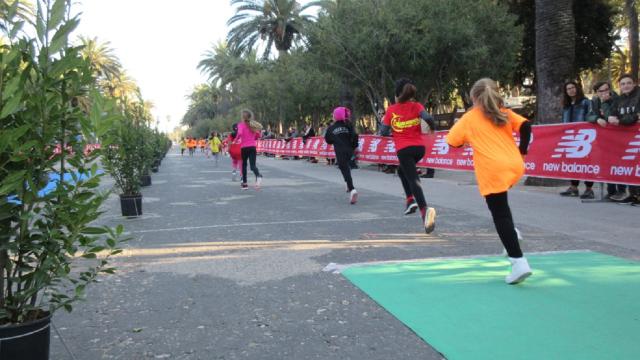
<point>54,178</point>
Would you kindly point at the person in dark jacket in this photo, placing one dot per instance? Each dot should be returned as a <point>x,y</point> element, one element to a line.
<point>626,112</point>
<point>601,108</point>
<point>308,132</point>
<point>575,107</point>
<point>344,139</point>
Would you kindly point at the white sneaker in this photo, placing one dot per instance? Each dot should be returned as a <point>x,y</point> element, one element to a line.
<point>258,181</point>
<point>430,220</point>
<point>520,270</point>
<point>353,197</point>
<point>520,241</point>
<point>234,176</point>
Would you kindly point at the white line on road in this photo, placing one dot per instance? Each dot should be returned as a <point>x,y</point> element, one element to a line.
<point>292,222</point>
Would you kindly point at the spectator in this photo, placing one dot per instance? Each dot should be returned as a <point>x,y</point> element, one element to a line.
<point>308,132</point>
<point>601,108</point>
<point>626,112</point>
<point>575,109</point>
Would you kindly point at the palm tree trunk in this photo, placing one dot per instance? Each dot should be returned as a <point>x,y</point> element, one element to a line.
<point>632,14</point>
<point>555,55</point>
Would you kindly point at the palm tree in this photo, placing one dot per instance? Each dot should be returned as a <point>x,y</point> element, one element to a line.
<point>202,104</point>
<point>555,55</point>
<point>120,87</point>
<point>103,62</point>
<point>223,67</point>
<point>632,15</point>
<point>278,22</point>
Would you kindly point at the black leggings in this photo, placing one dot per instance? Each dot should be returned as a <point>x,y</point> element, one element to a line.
<point>344,164</point>
<point>499,207</point>
<point>249,153</point>
<point>588,184</point>
<point>408,173</point>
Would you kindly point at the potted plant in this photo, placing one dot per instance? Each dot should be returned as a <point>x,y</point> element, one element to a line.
<point>147,162</point>
<point>49,187</point>
<point>125,159</point>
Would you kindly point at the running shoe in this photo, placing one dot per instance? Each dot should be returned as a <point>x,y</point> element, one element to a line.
<point>627,200</point>
<point>571,192</point>
<point>258,181</point>
<point>411,207</point>
<point>619,196</point>
<point>353,197</point>
<point>588,195</point>
<point>520,270</point>
<point>244,186</point>
<point>430,220</point>
<point>234,175</point>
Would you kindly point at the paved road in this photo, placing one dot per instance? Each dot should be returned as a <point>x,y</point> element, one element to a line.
<point>213,272</point>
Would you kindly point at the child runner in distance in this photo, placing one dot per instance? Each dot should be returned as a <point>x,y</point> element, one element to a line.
<point>488,127</point>
<point>183,146</point>
<point>248,139</point>
<point>191,143</point>
<point>344,139</point>
<point>214,145</point>
<point>404,120</point>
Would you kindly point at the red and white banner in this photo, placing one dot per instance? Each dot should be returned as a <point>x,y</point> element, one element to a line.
<point>578,151</point>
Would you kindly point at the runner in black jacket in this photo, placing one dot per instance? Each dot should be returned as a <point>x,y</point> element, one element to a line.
<point>344,139</point>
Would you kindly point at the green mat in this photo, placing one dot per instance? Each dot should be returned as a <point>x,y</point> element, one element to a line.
<point>580,305</point>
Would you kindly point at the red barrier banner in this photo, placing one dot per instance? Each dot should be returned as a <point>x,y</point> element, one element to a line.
<point>579,151</point>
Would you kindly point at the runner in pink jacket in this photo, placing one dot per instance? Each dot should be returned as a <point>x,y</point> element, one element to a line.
<point>248,144</point>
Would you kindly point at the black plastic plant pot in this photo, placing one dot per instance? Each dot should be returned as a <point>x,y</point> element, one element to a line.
<point>131,205</point>
<point>29,341</point>
<point>145,180</point>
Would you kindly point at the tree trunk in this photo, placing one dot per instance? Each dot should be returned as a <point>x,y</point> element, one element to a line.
<point>632,14</point>
<point>555,55</point>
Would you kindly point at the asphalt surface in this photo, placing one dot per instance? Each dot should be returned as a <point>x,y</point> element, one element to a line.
<point>214,272</point>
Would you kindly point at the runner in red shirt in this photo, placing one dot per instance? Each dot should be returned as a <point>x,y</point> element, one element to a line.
<point>404,120</point>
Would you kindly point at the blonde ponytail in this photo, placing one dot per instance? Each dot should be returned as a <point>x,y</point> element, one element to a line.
<point>485,92</point>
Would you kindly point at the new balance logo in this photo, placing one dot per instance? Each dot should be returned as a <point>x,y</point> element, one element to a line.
<point>440,147</point>
<point>633,149</point>
<point>575,145</point>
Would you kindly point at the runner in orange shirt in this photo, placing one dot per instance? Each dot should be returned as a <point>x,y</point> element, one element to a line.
<point>202,144</point>
<point>499,163</point>
<point>192,146</point>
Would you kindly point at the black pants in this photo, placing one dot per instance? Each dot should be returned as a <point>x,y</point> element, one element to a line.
<point>249,153</point>
<point>502,219</point>
<point>343,158</point>
<point>408,173</point>
<point>588,184</point>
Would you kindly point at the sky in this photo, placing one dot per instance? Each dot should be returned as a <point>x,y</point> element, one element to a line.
<point>159,44</point>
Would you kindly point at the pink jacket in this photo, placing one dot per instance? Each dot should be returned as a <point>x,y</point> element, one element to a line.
<point>247,136</point>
